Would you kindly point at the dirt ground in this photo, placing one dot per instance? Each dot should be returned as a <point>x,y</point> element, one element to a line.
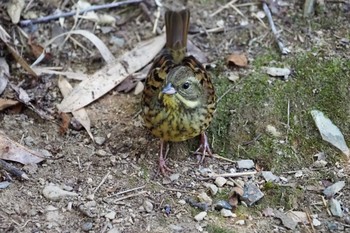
<point>126,157</point>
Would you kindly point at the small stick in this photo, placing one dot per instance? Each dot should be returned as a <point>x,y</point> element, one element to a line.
<point>310,220</point>
<point>156,21</point>
<point>45,19</point>
<point>130,196</point>
<point>223,7</point>
<point>223,158</point>
<point>238,174</point>
<point>128,191</point>
<point>325,205</point>
<point>13,170</point>
<point>282,48</point>
<point>102,181</point>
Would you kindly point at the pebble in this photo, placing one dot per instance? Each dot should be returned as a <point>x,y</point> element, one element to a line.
<point>245,164</point>
<point>148,206</point>
<point>221,204</point>
<point>182,202</point>
<point>100,140</point>
<point>213,189</point>
<point>113,230</point>
<point>269,176</point>
<point>240,222</point>
<point>227,213</point>
<point>117,41</point>
<point>199,217</point>
<point>316,222</point>
<point>101,153</point>
<point>87,226</point>
<point>272,131</point>
<point>55,193</point>
<point>298,174</point>
<point>335,208</point>
<point>330,191</point>
<point>220,181</point>
<point>4,184</point>
<point>176,228</point>
<point>251,194</point>
<point>203,197</point>
<point>174,177</point>
<point>111,215</point>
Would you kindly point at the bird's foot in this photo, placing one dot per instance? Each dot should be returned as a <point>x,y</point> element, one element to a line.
<point>203,149</point>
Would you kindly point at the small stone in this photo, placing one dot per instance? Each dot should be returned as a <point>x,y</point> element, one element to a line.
<point>174,177</point>
<point>111,215</point>
<point>100,140</point>
<point>269,176</point>
<point>86,226</point>
<point>226,213</point>
<point>101,153</point>
<point>182,202</point>
<point>205,171</point>
<point>251,194</point>
<point>240,222</point>
<point>272,131</point>
<point>316,222</point>
<point>29,141</point>
<point>176,228</point>
<point>220,181</point>
<point>213,189</point>
<point>203,197</point>
<point>221,204</point>
<point>298,174</point>
<point>331,190</point>
<point>335,208</point>
<point>245,164</point>
<point>117,41</point>
<point>199,217</point>
<point>113,230</point>
<point>148,206</point>
<point>55,193</point>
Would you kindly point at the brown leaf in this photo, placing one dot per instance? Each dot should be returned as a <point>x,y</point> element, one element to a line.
<point>6,103</point>
<point>238,59</point>
<point>11,150</point>
<point>64,124</point>
<point>235,194</point>
<point>38,50</point>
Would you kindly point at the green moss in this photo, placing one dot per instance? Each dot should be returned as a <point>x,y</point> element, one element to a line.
<point>239,127</point>
<point>217,229</point>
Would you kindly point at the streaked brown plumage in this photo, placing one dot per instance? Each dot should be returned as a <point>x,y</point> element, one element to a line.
<point>178,101</point>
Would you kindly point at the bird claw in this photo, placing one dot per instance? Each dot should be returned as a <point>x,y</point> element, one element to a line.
<point>163,167</point>
<point>203,148</point>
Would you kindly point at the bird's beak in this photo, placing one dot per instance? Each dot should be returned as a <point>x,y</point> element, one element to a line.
<point>169,89</point>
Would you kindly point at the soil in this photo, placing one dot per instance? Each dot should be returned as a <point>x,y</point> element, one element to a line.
<point>127,156</point>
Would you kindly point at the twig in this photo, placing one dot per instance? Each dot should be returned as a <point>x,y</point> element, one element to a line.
<point>13,170</point>
<point>282,48</point>
<point>326,206</point>
<point>130,196</point>
<point>156,21</point>
<point>225,93</point>
<point>237,174</point>
<point>310,220</point>
<point>223,7</point>
<point>128,191</point>
<point>102,181</point>
<point>45,19</point>
<point>223,158</point>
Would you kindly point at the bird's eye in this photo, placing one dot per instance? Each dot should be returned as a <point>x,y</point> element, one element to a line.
<point>186,85</point>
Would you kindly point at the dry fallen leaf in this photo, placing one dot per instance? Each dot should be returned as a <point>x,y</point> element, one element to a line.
<point>14,9</point>
<point>64,124</point>
<point>111,75</point>
<point>238,59</point>
<point>4,73</point>
<point>80,115</point>
<point>6,103</point>
<point>11,150</point>
<point>56,70</point>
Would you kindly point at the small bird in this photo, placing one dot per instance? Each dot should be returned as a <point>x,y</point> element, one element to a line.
<point>178,101</point>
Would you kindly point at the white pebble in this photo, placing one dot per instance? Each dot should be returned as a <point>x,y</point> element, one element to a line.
<point>200,216</point>
<point>220,181</point>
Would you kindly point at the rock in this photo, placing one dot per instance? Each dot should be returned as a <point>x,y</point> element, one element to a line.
<point>220,181</point>
<point>221,204</point>
<point>330,191</point>
<point>298,216</point>
<point>272,131</point>
<point>227,213</point>
<point>117,41</point>
<point>86,226</point>
<point>4,184</point>
<point>148,206</point>
<point>286,221</point>
<point>101,153</point>
<point>240,222</point>
<point>199,205</point>
<point>55,193</point>
<point>213,189</point>
<point>100,140</point>
<point>174,177</point>
<point>114,230</point>
<point>269,176</point>
<point>316,222</point>
<point>176,228</point>
<point>199,217</point>
<point>203,197</point>
<point>298,174</point>
<point>251,194</point>
<point>205,171</point>
<point>182,202</point>
<point>111,215</point>
<point>335,208</point>
<point>245,164</point>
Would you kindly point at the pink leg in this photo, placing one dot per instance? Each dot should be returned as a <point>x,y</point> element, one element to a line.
<point>162,166</point>
<point>203,147</point>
